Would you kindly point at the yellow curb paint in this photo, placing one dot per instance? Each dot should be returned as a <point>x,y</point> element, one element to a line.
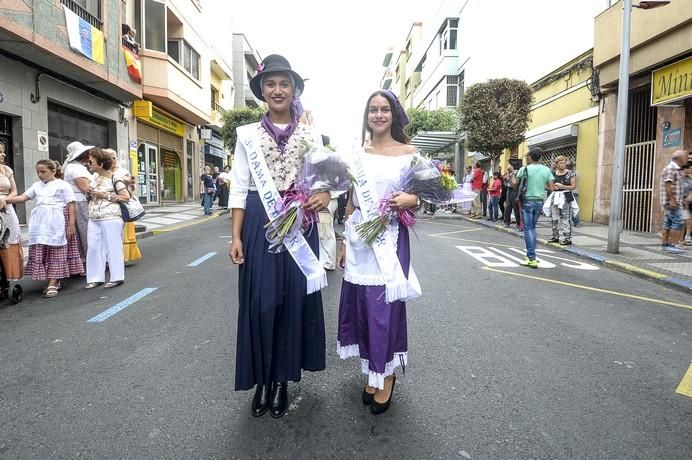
<point>633,268</point>
<point>589,288</point>
<point>458,231</point>
<point>685,387</point>
<point>188,224</point>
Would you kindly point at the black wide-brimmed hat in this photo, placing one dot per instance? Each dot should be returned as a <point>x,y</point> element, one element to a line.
<point>274,63</point>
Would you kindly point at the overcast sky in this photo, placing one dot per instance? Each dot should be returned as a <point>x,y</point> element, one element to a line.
<point>339,45</point>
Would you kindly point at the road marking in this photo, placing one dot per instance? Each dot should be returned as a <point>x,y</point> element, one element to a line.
<point>458,231</point>
<point>187,224</point>
<point>205,257</point>
<point>685,387</point>
<point>121,306</point>
<point>487,257</point>
<point>589,288</point>
<point>470,241</point>
<point>541,263</point>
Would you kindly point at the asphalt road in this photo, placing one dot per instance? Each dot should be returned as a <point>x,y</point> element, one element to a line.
<point>500,365</point>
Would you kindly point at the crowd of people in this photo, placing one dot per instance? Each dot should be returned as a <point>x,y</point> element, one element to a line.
<point>215,186</point>
<point>75,227</point>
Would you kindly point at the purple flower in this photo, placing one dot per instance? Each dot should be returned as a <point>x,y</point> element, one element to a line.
<point>438,164</point>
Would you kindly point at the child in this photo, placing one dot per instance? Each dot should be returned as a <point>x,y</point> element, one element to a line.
<point>53,252</point>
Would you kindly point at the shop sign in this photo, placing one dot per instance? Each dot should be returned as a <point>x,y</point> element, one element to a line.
<point>672,82</point>
<point>166,123</point>
<point>215,141</point>
<point>42,141</point>
<point>214,151</point>
<point>672,138</point>
<point>143,109</point>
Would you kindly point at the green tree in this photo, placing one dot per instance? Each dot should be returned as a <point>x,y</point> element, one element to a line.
<point>431,120</point>
<point>495,115</point>
<point>238,117</point>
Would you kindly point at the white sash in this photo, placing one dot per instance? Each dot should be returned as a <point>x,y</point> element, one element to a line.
<point>295,243</point>
<point>385,251</point>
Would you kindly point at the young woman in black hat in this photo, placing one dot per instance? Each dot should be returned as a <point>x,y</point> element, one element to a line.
<point>280,316</point>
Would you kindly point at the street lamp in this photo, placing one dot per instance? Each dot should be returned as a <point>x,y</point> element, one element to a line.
<point>615,219</point>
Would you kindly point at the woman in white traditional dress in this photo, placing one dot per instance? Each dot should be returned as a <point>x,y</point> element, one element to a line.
<point>372,325</point>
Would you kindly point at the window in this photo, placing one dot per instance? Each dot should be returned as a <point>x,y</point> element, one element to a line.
<point>452,89</point>
<point>182,53</point>
<point>214,99</point>
<point>461,87</point>
<point>174,49</point>
<point>154,23</point>
<point>448,35</point>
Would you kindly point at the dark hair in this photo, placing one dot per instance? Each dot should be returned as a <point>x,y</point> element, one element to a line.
<point>497,174</point>
<point>397,130</point>
<point>102,158</point>
<point>52,165</point>
<point>535,153</point>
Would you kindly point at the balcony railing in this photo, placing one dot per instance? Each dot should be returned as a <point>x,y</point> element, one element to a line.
<point>218,108</point>
<point>84,13</point>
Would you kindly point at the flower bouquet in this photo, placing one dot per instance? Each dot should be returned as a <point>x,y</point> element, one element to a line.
<point>322,170</point>
<point>426,179</point>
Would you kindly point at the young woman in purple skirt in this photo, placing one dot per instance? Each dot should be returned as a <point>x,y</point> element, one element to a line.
<point>372,309</point>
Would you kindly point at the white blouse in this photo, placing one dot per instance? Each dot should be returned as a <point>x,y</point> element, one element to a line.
<point>284,167</point>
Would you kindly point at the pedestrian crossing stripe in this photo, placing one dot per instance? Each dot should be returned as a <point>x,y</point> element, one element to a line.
<point>685,387</point>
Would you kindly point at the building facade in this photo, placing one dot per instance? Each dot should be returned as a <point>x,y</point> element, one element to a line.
<point>187,84</point>
<point>56,88</point>
<point>659,119</point>
<point>245,63</point>
<point>564,122</point>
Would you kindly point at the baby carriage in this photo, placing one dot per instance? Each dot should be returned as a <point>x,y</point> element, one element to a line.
<point>9,288</point>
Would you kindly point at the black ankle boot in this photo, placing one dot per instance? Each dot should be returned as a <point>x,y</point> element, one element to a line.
<point>260,402</point>
<point>278,402</point>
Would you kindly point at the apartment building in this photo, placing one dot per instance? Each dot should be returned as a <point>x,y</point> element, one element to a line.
<point>187,84</point>
<point>63,77</point>
<point>245,63</point>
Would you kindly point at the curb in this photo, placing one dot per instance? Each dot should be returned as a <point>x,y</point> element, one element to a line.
<point>624,267</point>
<point>172,228</point>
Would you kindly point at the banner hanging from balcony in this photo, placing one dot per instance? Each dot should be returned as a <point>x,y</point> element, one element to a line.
<point>84,38</point>
<point>134,65</point>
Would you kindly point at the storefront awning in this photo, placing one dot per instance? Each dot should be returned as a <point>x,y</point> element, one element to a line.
<point>435,141</point>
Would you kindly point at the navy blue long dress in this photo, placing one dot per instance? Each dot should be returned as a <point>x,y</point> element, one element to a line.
<point>280,327</point>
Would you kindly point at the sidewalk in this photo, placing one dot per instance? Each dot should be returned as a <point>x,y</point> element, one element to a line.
<point>160,219</point>
<point>640,253</point>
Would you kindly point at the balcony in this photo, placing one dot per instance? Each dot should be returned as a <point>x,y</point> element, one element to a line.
<point>250,99</point>
<point>37,36</point>
<point>217,113</point>
<point>168,85</point>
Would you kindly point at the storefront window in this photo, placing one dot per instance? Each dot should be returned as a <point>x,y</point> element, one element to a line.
<point>190,148</point>
<point>67,125</point>
<point>171,189</point>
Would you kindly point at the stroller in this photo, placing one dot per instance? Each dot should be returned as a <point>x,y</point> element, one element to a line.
<point>9,289</point>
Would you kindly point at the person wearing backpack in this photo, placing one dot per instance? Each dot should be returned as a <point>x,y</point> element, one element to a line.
<point>533,181</point>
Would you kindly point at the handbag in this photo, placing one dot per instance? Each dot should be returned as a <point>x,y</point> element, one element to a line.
<point>130,210</point>
<point>523,184</point>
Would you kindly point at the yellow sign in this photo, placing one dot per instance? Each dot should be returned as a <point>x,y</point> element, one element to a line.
<point>166,123</point>
<point>143,109</point>
<point>672,82</point>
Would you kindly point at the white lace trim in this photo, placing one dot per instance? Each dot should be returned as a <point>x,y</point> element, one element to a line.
<point>364,280</point>
<point>375,380</point>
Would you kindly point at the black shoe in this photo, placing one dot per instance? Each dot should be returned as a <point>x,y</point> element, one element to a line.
<point>260,402</point>
<point>565,243</point>
<point>377,408</point>
<point>554,240</point>
<point>278,402</point>
<point>367,397</point>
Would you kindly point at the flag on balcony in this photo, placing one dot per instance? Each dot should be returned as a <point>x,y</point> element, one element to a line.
<point>134,65</point>
<point>84,38</point>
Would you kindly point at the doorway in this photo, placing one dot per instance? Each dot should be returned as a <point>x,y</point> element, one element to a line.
<point>171,181</point>
<point>148,173</point>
